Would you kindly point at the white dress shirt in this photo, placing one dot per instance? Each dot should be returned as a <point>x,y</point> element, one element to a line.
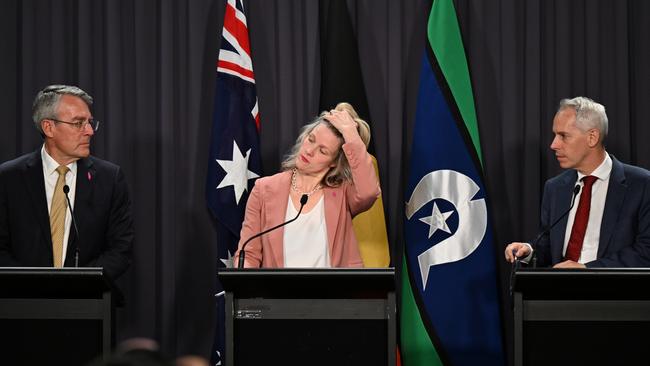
<point>598,197</point>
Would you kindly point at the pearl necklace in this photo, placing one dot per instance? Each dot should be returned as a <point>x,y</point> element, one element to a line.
<point>294,186</point>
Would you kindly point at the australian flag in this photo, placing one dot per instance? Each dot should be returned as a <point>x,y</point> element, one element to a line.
<point>234,160</point>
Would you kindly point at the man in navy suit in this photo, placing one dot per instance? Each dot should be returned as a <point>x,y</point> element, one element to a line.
<point>96,189</point>
<point>609,224</point>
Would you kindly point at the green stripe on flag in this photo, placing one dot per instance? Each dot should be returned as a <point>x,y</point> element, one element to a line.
<point>416,346</point>
<point>447,45</point>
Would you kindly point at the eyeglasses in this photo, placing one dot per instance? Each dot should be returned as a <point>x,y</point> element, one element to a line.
<point>94,124</point>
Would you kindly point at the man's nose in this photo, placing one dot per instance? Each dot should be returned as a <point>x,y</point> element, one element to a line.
<point>88,129</point>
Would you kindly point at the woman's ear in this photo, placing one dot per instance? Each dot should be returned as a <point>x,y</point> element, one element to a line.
<point>333,163</point>
<point>336,158</point>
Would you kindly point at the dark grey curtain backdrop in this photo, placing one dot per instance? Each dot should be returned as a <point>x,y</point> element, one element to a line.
<point>150,65</point>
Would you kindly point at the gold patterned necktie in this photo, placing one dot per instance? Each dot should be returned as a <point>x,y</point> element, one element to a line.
<point>57,216</point>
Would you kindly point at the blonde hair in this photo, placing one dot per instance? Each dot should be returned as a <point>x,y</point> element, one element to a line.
<point>341,170</point>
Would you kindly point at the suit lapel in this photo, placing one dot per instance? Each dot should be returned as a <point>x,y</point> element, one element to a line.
<point>564,196</point>
<point>277,199</point>
<point>615,196</point>
<point>83,197</point>
<point>35,183</point>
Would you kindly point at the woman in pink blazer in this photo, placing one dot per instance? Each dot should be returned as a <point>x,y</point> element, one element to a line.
<point>330,164</point>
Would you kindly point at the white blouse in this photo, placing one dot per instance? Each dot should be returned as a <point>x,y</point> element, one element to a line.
<point>305,240</point>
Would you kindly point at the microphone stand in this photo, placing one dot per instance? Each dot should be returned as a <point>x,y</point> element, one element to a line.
<point>66,190</point>
<point>516,264</point>
<point>545,232</point>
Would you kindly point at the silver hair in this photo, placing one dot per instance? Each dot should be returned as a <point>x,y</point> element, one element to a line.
<point>589,114</point>
<point>47,100</point>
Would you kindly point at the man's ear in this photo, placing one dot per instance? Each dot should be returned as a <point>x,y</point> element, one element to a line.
<point>593,137</point>
<point>47,126</point>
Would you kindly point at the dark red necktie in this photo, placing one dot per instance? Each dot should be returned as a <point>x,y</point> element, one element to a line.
<point>579,228</point>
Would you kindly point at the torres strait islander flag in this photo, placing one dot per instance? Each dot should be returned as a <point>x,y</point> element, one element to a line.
<point>449,308</point>
<point>234,160</point>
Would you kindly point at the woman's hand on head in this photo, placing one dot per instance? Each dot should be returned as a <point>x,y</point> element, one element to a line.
<point>342,121</point>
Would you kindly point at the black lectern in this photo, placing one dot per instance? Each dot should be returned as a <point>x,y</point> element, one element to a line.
<point>310,316</point>
<point>62,316</point>
<point>582,316</point>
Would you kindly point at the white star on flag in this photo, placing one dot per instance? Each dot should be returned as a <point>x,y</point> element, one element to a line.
<point>437,220</point>
<point>237,173</point>
<point>228,262</point>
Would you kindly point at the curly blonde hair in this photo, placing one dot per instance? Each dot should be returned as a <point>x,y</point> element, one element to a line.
<point>341,170</point>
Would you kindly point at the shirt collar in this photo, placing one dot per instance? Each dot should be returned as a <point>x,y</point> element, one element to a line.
<point>50,165</point>
<point>603,171</point>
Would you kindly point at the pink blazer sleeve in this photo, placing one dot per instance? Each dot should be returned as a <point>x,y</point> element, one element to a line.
<point>362,194</point>
<point>252,225</point>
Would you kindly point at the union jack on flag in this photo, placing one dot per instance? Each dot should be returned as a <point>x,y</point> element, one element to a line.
<point>234,160</point>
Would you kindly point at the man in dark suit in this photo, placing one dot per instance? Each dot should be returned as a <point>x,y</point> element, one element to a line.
<point>609,224</point>
<point>36,225</point>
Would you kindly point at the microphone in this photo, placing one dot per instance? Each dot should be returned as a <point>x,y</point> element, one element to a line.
<point>516,263</point>
<point>513,269</point>
<point>545,232</point>
<point>66,190</point>
<point>242,252</point>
